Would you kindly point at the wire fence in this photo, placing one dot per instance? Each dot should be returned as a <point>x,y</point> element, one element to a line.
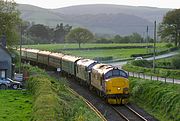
<point>154,78</point>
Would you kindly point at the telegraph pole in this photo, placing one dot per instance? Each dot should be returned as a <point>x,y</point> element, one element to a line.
<point>20,46</point>
<point>154,54</point>
<point>147,39</point>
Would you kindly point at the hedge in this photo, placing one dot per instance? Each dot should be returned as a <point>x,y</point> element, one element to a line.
<point>46,106</point>
<point>53,101</point>
<point>169,73</point>
<point>159,99</point>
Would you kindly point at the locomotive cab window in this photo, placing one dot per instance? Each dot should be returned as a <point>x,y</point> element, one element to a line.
<point>115,73</point>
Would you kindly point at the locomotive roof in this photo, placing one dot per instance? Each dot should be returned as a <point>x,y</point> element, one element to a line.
<point>86,62</point>
<point>21,49</point>
<point>56,55</point>
<point>70,58</point>
<point>103,68</point>
<point>32,50</point>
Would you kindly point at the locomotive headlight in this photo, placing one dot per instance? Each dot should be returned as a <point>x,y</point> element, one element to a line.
<point>119,88</point>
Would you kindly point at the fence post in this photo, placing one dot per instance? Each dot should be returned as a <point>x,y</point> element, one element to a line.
<point>173,80</point>
<point>133,74</point>
<point>128,73</point>
<point>144,75</point>
<point>157,78</point>
<point>138,75</point>
<point>151,77</point>
<point>165,79</point>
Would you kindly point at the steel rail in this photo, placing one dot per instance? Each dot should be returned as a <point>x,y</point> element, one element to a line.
<point>89,104</point>
<point>122,115</point>
<point>131,110</point>
<point>144,119</point>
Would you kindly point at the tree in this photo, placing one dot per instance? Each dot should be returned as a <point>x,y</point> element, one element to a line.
<point>61,31</point>
<point>42,32</point>
<point>9,19</point>
<point>79,35</point>
<point>118,39</point>
<point>135,38</point>
<point>170,27</point>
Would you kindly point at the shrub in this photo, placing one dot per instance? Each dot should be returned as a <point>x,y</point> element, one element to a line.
<point>176,62</point>
<point>45,107</point>
<point>142,63</point>
<point>169,45</point>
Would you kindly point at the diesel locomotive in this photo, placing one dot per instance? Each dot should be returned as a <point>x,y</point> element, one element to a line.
<point>111,83</point>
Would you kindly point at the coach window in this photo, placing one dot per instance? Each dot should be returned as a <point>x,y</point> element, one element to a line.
<point>77,69</point>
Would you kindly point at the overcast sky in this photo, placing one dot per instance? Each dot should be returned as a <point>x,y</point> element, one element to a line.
<point>65,3</point>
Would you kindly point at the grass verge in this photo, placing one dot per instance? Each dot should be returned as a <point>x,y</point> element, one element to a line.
<point>15,105</point>
<point>53,102</point>
<point>159,99</point>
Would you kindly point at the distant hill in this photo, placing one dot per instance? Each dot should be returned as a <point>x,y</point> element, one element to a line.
<point>110,23</point>
<point>101,18</point>
<point>39,15</point>
<point>149,13</point>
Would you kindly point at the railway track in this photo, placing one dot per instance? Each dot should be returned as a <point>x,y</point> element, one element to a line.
<point>104,111</point>
<point>128,114</point>
<point>89,104</point>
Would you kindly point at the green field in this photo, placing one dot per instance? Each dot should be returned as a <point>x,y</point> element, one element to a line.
<point>115,53</point>
<point>15,105</point>
<point>52,47</point>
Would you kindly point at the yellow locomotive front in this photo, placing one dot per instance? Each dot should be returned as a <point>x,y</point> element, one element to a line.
<point>117,90</point>
<point>112,83</point>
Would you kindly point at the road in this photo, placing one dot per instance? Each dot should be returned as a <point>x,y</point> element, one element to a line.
<point>120,64</point>
<point>138,75</point>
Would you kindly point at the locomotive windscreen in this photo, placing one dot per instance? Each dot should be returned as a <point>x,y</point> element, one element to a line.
<point>115,73</point>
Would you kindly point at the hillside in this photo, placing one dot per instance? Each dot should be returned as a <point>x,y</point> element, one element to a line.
<point>149,13</point>
<point>38,15</point>
<point>102,19</point>
<point>110,23</point>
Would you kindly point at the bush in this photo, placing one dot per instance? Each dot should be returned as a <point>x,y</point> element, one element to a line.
<point>142,63</point>
<point>176,62</point>
<point>103,58</point>
<point>141,55</point>
<point>169,45</point>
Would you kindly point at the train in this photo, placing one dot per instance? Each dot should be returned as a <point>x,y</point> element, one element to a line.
<point>110,83</point>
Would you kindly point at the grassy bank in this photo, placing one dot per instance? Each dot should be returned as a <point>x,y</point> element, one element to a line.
<point>15,105</point>
<point>168,73</point>
<point>54,102</point>
<point>159,99</point>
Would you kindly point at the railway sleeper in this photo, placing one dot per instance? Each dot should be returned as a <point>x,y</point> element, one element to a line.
<point>117,100</point>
